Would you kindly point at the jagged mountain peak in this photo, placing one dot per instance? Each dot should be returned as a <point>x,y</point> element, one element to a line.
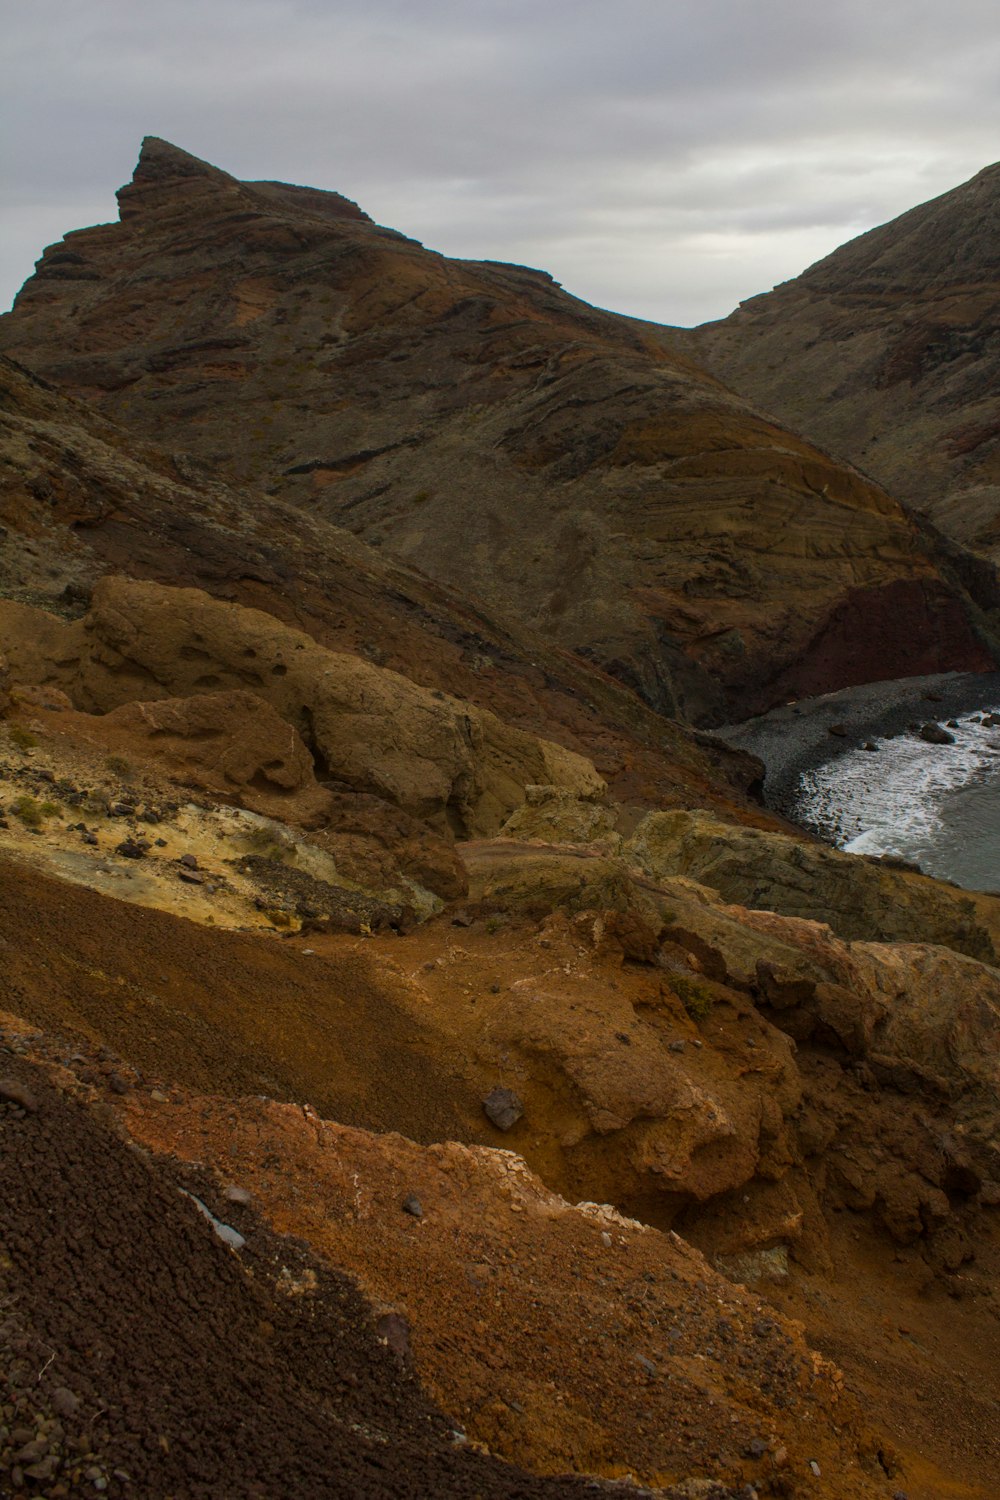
<point>167,177</point>
<point>157,155</point>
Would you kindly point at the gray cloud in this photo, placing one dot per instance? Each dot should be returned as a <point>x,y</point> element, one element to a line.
<point>664,157</point>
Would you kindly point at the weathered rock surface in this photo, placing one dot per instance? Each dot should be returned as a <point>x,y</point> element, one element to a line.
<point>789,1056</point>
<point>887,353</point>
<point>859,898</point>
<point>232,744</point>
<point>551,460</point>
<point>647,1074</point>
<point>743,1076</point>
<point>374,844</point>
<point>370,728</point>
<point>940,1026</point>
<point>552,815</point>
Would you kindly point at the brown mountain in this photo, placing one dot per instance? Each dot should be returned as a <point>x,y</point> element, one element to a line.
<point>888,353</point>
<point>81,498</point>
<point>473,419</point>
<point>320,881</point>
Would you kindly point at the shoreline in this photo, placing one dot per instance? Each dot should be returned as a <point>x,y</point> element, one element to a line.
<point>797,738</point>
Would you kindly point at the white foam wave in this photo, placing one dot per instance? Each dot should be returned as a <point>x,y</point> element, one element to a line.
<point>905,799</point>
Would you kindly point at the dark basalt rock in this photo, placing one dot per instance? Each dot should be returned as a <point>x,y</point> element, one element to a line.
<point>503,1108</point>
<point>934,734</point>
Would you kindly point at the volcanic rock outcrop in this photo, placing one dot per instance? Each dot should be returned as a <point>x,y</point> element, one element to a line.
<point>477,421</point>
<point>231,744</point>
<point>371,729</point>
<point>887,353</point>
<point>859,898</point>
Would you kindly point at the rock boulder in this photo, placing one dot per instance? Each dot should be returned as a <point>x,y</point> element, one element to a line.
<point>442,760</point>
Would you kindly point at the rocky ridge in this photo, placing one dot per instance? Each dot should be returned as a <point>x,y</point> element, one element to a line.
<point>81,498</point>
<point>510,441</point>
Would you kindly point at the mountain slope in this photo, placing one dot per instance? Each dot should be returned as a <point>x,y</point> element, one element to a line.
<point>510,441</point>
<point>312,893</point>
<point>80,498</point>
<point>888,353</point>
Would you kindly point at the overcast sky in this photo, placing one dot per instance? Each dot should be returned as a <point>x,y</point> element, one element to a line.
<point>661,157</point>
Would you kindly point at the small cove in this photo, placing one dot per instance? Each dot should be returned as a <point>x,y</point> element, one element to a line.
<point>935,805</point>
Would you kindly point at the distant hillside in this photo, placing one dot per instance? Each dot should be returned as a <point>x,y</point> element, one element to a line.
<point>888,353</point>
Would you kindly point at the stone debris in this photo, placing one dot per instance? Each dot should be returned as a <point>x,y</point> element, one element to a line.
<point>503,1108</point>
<point>934,734</point>
<point>226,1233</point>
<point>12,1091</point>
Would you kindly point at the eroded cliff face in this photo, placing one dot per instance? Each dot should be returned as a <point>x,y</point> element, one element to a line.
<point>887,353</point>
<point>814,1115</point>
<point>475,420</point>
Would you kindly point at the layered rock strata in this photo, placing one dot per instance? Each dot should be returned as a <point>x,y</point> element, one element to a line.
<point>477,421</point>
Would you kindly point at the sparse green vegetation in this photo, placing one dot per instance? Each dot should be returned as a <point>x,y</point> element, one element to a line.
<point>21,737</point>
<point>263,843</point>
<point>695,996</point>
<point>28,810</point>
<point>119,766</point>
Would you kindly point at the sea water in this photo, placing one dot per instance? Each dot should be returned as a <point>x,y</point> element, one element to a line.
<point>935,805</point>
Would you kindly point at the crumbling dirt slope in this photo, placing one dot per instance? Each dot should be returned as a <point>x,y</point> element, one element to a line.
<point>410,1034</point>
<point>568,1339</point>
<point>140,1355</point>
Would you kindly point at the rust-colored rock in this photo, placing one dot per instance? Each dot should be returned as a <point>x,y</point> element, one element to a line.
<point>375,730</point>
<point>232,744</point>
